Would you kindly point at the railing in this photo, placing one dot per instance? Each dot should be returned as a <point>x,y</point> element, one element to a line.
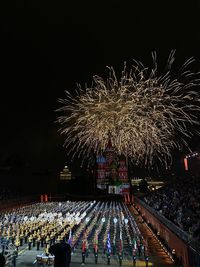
<point>174,228</point>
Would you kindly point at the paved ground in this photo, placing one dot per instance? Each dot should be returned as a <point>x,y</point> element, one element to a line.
<point>27,258</point>
<point>158,256</point>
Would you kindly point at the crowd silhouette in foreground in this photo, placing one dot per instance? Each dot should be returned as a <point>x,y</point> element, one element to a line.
<point>179,201</point>
<point>2,260</point>
<point>62,253</point>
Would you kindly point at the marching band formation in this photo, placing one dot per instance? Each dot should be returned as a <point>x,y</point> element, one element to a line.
<point>103,228</point>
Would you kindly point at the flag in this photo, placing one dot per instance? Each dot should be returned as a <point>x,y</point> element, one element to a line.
<point>96,243</point>
<point>84,245</point>
<point>70,237</point>
<point>108,244</point>
<point>134,243</point>
<point>120,242</point>
<point>186,164</point>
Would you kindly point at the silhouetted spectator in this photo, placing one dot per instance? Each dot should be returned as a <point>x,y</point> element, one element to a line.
<point>2,260</point>
<point>62,253</point>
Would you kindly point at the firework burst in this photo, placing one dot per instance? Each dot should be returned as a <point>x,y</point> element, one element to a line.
<point>140,112</point>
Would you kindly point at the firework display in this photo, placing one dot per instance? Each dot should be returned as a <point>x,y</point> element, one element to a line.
<point>140,112</point>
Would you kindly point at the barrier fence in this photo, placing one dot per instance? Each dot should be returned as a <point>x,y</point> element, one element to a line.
<point>186,249</point>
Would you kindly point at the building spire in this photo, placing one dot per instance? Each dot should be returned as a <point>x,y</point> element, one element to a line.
<point>109,144</point>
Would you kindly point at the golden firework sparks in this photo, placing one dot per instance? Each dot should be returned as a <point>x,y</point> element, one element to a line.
<point>140,112</point>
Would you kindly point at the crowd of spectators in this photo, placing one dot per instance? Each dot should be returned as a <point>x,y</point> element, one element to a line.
<point>180,203</point>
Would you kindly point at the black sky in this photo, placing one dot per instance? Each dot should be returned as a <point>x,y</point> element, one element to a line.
<point>48,46</point>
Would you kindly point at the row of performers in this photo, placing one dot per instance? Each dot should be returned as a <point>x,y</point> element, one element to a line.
<point>137,251</point>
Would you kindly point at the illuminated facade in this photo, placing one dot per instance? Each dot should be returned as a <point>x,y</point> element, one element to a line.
<point>192,162</point>
<point>112,172</point>
<point>65,174</point>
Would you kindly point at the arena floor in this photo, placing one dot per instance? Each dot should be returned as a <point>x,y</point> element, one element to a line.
<point>158,258</point>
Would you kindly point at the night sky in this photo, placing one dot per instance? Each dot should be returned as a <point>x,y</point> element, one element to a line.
<point>48,46</point>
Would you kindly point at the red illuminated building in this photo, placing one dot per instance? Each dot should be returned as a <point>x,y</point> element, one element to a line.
<point>112,171</point>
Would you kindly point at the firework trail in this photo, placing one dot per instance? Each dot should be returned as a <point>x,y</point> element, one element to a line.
<point>140,112</point>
